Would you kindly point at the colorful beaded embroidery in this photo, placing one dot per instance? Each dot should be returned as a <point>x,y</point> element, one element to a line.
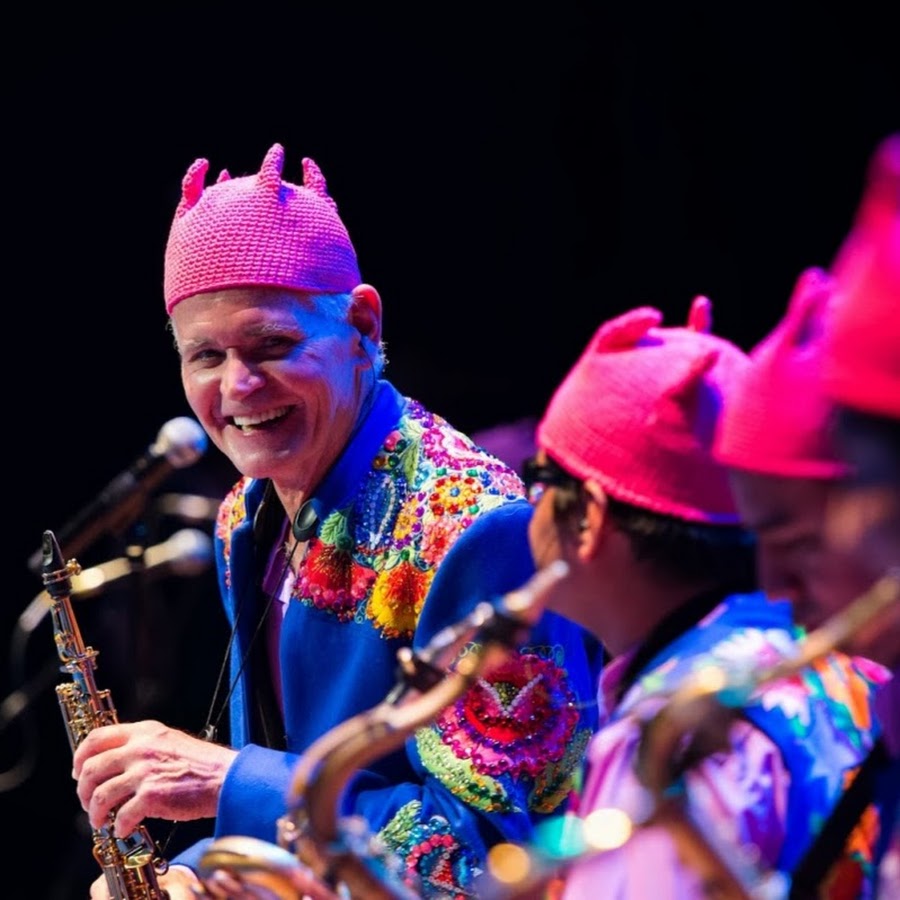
<point>519,721</point>
<point>375,560</point>
<point>232,512</point>
<point>437,862</point>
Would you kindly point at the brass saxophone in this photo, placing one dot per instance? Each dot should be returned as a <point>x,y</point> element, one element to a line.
<point>131,864</point>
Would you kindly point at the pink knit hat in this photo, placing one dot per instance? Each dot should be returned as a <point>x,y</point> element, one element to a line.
<point>863,363</point>
<point>255,231</point>
<point>776,418</point>
<point>637,413</point>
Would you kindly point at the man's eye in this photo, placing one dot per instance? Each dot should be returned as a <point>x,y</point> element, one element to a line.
<point>278,344</point>
<point>207,356</point>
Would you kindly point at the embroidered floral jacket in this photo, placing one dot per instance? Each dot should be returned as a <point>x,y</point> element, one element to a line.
<point>416,526</point>
<point>797,743</point>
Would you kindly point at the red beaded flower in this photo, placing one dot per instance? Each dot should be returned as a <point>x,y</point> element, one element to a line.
<point>330,579</point>
<point>518,719</point>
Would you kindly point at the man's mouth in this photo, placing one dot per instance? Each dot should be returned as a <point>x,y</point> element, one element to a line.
<point>250,423</point>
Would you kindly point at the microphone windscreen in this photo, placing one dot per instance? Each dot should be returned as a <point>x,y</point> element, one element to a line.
<point>182,441</point>
<point>187,552</point>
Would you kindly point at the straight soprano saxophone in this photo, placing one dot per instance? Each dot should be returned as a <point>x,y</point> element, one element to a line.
<point>131,864</point>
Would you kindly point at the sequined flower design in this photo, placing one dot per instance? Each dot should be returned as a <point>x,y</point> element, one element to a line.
<point>517,721</point>
<point>437,538</point>
<point>457,493</point>
<point>397,598</point>
<point>330,578</point>
<point>376,559</point>
<point>437,863</point>
<point>232,512</point>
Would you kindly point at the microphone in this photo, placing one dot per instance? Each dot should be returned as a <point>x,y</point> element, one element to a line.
<point>180,443</point>
<point>187,552</point>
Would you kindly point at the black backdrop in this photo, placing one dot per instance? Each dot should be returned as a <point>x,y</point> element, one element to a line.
<point>509,181</point>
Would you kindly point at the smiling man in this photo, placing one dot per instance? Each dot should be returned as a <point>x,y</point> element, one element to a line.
<point>363,524</point>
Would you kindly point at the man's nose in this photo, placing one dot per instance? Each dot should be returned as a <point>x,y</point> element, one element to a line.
<point>241,377</point>
<point>778,581</point>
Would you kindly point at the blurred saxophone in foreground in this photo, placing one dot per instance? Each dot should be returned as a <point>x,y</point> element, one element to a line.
<point>693,723</point>
<point>341,852</point>
<point>131,864</point>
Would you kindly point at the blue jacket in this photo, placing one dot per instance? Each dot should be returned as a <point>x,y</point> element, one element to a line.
<point>822,720</point>
<point>416,526</point>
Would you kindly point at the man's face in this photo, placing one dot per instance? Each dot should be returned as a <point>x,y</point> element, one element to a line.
<point>864,514</point>
<point>275,383</point>
<point>794,563</point>
<point>863,519</point>
<point>551,535</point>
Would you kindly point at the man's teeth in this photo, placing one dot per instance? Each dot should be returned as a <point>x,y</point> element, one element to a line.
<point>246,423</point>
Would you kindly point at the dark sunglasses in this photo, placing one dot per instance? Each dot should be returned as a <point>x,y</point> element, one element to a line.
<point>537,477</point>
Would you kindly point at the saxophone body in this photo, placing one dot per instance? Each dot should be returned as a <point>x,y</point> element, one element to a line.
<point>131,864</point>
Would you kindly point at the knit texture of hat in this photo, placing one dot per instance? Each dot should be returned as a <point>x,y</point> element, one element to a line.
<point>638,411</point>
<point>777,418</point>
<point>863,362</point>
<point>257,230</point>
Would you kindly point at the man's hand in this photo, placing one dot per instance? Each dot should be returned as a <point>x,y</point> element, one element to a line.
<point>148,770</point>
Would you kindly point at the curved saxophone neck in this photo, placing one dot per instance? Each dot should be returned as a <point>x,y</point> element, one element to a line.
<point>429,680</point>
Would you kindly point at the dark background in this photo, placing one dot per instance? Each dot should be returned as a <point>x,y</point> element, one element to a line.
<point>510,181</point>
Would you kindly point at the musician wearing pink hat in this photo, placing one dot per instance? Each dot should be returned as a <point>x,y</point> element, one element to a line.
<point>362,524</point>
<point>861,374</point>
<point>776,436</point>
<point>862,378</point>
<point>627,491</point>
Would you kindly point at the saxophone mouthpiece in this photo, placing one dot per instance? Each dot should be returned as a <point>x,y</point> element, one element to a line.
<point>52,554</point>
<point>56,573</point>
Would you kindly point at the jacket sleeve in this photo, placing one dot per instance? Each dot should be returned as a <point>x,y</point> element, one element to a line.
<point>252,800</point>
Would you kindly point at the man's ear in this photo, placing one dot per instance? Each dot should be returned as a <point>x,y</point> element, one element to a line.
<point>590,526</point>
<point>365,312</point>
